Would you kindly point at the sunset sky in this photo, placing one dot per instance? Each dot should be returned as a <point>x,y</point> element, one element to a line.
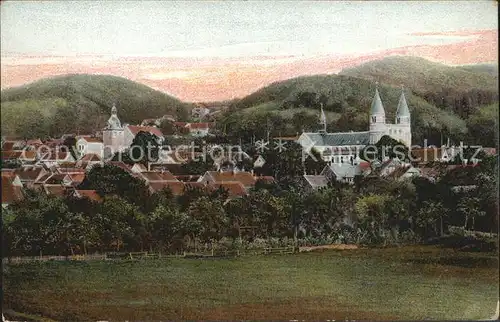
<point>204,51</point>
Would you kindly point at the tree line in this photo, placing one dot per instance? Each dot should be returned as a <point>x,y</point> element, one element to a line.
<point>373,211</point>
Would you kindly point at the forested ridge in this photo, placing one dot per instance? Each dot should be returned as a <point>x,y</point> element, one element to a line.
<point>81,103</point>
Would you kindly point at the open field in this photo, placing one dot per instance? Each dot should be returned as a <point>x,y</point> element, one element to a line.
<point>424,282</point>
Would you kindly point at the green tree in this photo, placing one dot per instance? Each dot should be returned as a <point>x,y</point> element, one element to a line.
<point>70,144</point>
<point>470,209</point>
<point>430,216</point>
<point>145,148</point>
<point>167,127</point>
<point>111,180</point>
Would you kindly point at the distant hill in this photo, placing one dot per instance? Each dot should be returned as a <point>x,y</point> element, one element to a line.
<point>347,102</point>
<point>423,75</point>
<point>81,103</point>
<point>491,69</point>
<point>457,89</point>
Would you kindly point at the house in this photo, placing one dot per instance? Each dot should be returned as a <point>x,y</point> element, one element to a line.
<point>20,156</point>
<point>404,172</point>
<point>73,179</point>
<point>245,178</point>
<point>131,131</point>
<point>57,190</point>
<point>157,121</point>
<point>265,179</point>
<point>90,145</point>
<point>199,129</point>
<point>88,160</point>
<point>152,176</point>
<point>28,175</point>
<point>187,178</point>
<point>138,167</point>
<point>234,189</point>
<point>342,172</point>
<point>259,162</point>
<point>314,182</point>
<point>34,143</point>
<point>385,168</point>
<point>174,168</point>
<point>54,158</point>
<point>12,188</point>
<point>176,187</point>
<point>200,111</point>
<point>90,194</point>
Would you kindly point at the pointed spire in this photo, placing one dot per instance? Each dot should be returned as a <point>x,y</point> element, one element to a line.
<point>402,110</point>
<point>322,119</point>
<point>377,107</point>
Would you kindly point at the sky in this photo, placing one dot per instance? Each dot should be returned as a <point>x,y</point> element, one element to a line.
<point>210,50</point>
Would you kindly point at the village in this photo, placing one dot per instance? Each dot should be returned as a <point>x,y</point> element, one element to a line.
<point>51,167</point>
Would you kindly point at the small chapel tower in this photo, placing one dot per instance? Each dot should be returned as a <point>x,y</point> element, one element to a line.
<point>113,135</point>
<point>322,120</point>
<point>377,119</point>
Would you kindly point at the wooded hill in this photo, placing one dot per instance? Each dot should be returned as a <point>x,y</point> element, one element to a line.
<point>81,103</point>
<point>346,98</point>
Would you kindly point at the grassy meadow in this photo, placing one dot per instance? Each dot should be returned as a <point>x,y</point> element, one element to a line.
<point>418,282</point>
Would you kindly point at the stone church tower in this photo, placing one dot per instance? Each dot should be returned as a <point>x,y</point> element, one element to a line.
<point>377,119</point>
<point>113,135</point>
<point>400,130</point>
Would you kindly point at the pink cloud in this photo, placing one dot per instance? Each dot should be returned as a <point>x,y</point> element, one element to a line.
<point>210,79</point>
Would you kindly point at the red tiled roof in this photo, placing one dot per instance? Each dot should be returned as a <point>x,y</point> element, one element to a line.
<point>490,151</point>
<point>90,194</point>
<point>55,189</point>
<point>157,176</point>
<point>56,178</point>
<point>55,156</point>
<point>90,157</point>
<point>151,129</point>
<point>195,185</point>
<point>267,179</point>
<point>176,187</point>
<point>120,164</point>
<point>364,165</point>
<point>19,154</point>
<point>77,177</point>
<point>70,170</point>
<point>34,142</point>
<point>43,178</point>
<point>29,174</point>
<point>172,168</point>
<point>235,189</point>
<point>187,178</point>
<point>246,178</point>
<point>8,146</point>
<point>180,124</point>
<point>199,125</point>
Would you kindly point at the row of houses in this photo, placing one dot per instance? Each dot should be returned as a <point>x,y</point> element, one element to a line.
<point>65,178</point>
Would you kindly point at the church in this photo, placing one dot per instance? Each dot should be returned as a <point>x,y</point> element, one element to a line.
<point>344,147</point>
<point>117,137</point>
